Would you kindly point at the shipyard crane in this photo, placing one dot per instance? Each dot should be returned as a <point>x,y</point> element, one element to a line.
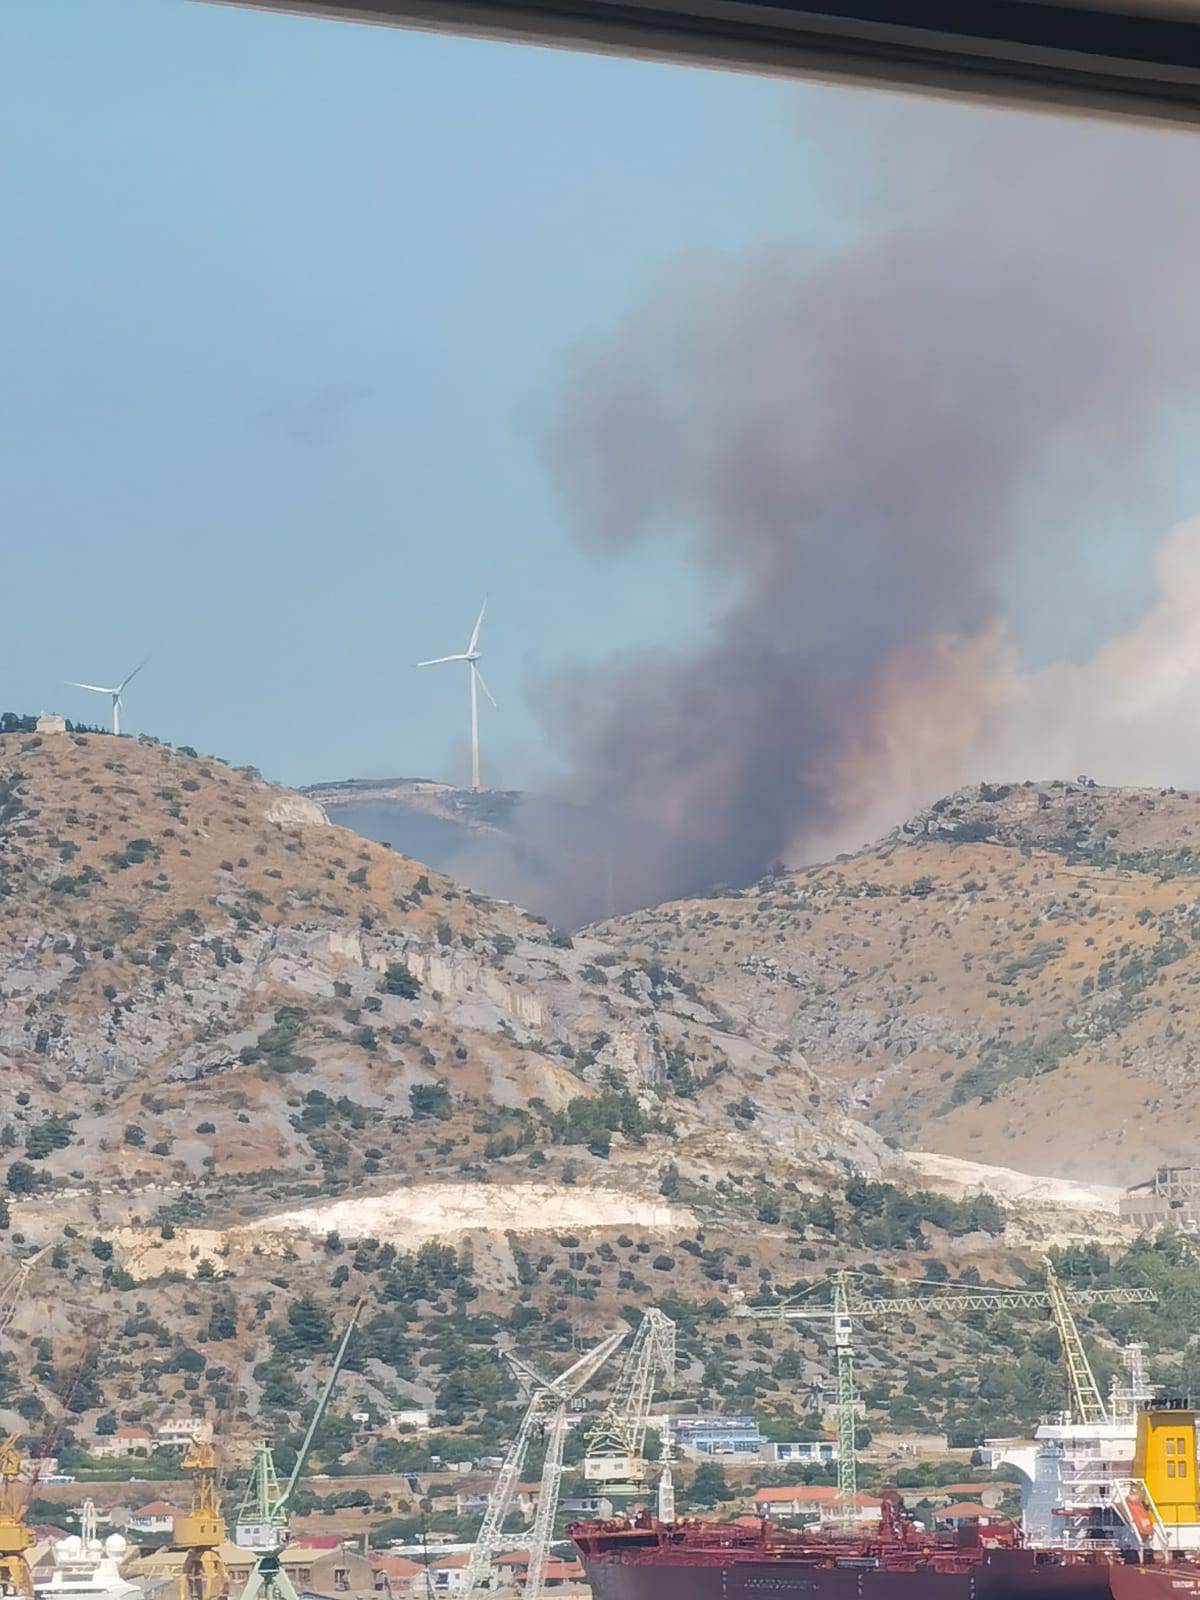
<point>201,1532</point>
<point>844,1309</point>
<point>16,1537</point>
<point>268,1579</point>
<point>545,1418</point>
<point>1084,1393</point>
<point>13,1287</point>
<point>615,1456</point>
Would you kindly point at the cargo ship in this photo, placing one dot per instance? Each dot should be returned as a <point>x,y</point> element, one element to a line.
<point>1142,1539</point>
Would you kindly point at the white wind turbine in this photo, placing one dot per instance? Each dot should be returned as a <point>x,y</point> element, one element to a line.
<point>116,693</point>
<point>471,656</point>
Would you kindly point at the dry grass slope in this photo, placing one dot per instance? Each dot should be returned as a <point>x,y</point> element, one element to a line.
<point>1010,977</point>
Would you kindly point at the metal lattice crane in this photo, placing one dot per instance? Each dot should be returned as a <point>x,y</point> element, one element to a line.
<point>201,1531</point>
<point>13,1287</point>
<point>615,1453</point>
<point>1086,1403</point>
<point>545,1418</point>
<point>844,1309</point>
<point>257,1524</point>
<point>16,1537</point>
<point>543,1522</point>
<point>267,1577</point>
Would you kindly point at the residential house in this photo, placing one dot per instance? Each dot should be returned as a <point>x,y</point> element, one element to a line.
<point>965,1514</point>
<point>156,1517</point>
<point>473,1502</point>
<point>178,1432</point>
<point>512,1569</point>
<point>397,1576</point>
<point>808,1501</point>
<point>125,1442</point>
<point>327,1573</point>
<point>449,1574</point>
<point>990,1493</point>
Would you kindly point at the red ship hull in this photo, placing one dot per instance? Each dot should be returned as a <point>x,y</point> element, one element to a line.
<point>646,1561</point>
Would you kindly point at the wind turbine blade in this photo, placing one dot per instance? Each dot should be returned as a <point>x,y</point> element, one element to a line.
<point>132,675</point>
<point>96,688</point>
<point>482,685</point>
<point>475,630</point>
<point>437,661</point>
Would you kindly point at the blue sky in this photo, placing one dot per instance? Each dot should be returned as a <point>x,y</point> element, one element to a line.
<point>288,306</point>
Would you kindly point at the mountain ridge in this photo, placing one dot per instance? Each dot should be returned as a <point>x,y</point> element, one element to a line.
<point>256,1065</point>
<point>1005,967</point>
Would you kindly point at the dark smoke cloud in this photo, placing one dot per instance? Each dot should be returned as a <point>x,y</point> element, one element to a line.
<point>848,444</point>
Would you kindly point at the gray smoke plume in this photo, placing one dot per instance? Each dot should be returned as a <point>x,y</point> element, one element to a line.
<point>850,444</point>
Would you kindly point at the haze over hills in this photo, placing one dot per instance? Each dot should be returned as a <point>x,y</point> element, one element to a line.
<point>569,861</point>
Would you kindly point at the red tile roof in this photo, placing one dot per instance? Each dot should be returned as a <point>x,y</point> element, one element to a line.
<point>157,1508</point>
<point>558,1567</point>
<point>396,1566</point>
<point>813,1494</point>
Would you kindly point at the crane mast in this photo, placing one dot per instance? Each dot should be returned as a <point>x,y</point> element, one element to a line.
<point>267,1577</point>
<point>543,1522</point>
<point>16,1537</point>
<point>1085,1402</point>
<point>201,1531</point>
<point>847,1400</point>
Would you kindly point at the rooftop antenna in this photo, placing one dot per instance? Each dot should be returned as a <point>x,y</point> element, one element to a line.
<point>475,681</point>
<point>116,693</point>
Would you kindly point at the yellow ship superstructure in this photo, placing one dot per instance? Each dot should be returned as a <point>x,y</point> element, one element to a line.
<point>1164,1463</point>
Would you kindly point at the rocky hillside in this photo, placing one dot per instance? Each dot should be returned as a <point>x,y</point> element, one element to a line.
<point>177,934</point>
<point>257,1066</point>
<point>219,1014</point>
<point>1010,977</point>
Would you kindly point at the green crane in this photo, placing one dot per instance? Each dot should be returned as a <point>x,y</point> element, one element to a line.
<point>268,1506</point>
<point>845,1310</point>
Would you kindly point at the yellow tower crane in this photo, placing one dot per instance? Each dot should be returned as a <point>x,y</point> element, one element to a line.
<point>15,1536</point>
<point>845,1309</point>
<point>201,1531</point>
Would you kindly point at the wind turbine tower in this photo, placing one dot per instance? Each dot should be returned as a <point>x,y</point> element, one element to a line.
<point>475,682</point>
<point>116,693</point>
